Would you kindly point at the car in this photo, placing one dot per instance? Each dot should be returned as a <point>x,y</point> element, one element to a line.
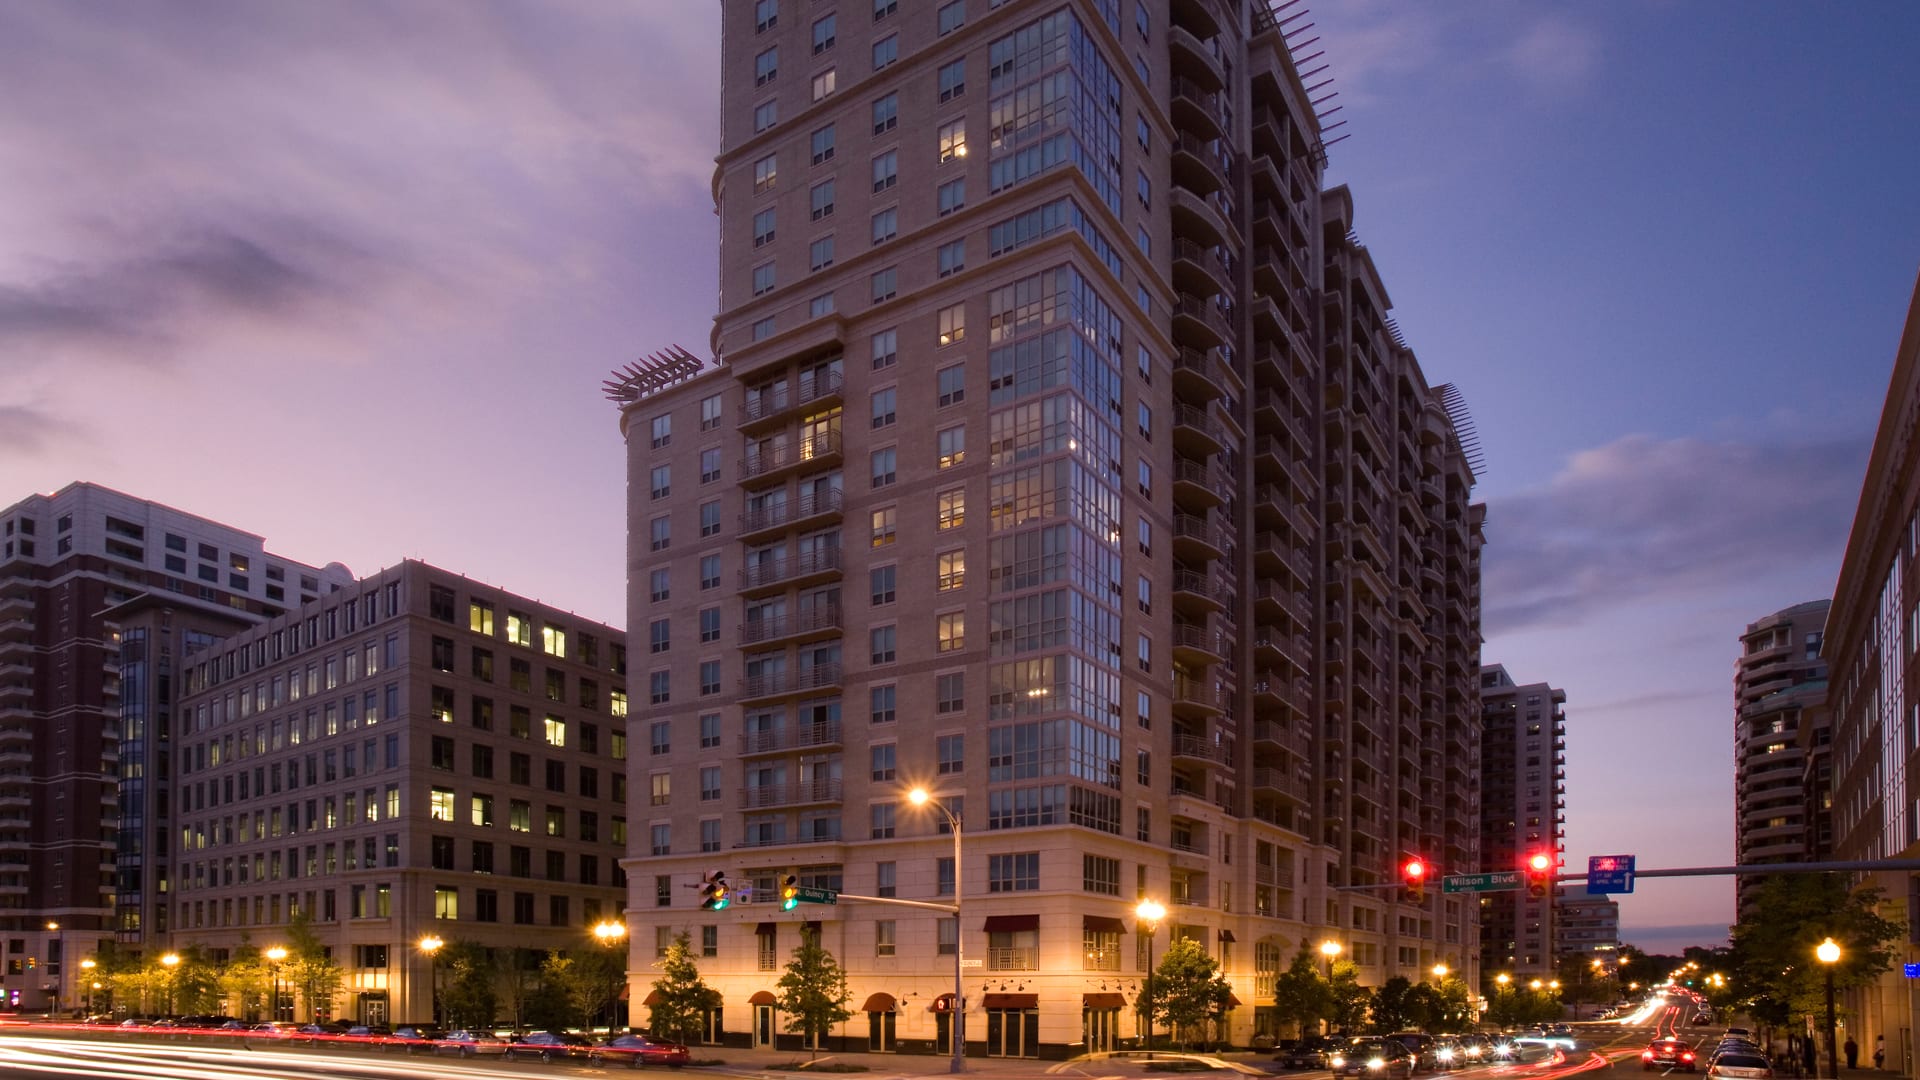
<point>274,1029</point>
<point>1449,1052</point>
<point>1668,1053</point>
<point>1703,1018</point>
<point>1371,1058</point>
<point>549,1046</point>
<point>1736,1033</point>
<point>1472,1048</point>
<point>1740,1066</point>
<point>415,1037</point>
<point>470,1043</point>
<point>1422,1046</point>
<point>638,1050</point>
<point>371,1034</point>
<point>1308,1053</point>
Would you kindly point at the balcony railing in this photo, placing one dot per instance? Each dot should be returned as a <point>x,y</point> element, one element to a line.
<point>817,677</point>
<point>1013,958</point>
<point>767,796</point>
<point>767,404</point>
<point>821,445</point>
<point>775,571</point>
<point>755,631</point>
<point>804,737</point>
<point>784,513</point>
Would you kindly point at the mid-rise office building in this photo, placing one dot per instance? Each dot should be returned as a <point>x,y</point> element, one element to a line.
<point>413,756</point>
<point>1587,926</point>
<point>1523,811</point>
<point>1779,690</point>
<point>1058,457</point>
<point>1868,646</point>
<point>100,594</point>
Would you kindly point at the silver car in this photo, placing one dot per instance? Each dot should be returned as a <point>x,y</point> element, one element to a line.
<point>1739,1066</point>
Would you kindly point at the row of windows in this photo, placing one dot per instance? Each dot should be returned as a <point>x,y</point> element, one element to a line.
<point>376,902</point>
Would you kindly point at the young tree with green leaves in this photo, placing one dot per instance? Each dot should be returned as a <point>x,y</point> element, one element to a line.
<point>308,969</point>
<point>813,992</point>
<point>1772,956</point>
<point>1391,1006</point>
<point>1188,992</point>
<point>1348,1001</point>
<point>1300,995</point>
<point>681,1000</point>
<point>468,995</point>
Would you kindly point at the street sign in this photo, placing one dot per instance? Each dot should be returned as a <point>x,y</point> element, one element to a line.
<point>1609,874</point>
<point>1492,881</point>
<point>816,896</point>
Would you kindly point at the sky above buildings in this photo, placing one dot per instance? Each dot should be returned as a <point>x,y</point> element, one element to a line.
<point>350,275</point>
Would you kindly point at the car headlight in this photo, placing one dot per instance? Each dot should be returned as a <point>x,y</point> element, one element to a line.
<point>1376,1063</point>
<point>1446,1055</point>
<point>1337,1061</point>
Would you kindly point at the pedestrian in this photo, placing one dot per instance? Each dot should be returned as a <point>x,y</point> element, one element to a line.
<point>1808,1054</point>
<point>1853,1052</point>
<point>1879,1051</point>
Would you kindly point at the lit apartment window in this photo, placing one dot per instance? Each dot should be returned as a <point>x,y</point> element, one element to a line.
<point>556,731</point>
<point>952,508</point>
<point>884,525</point>
<point>952,570</point>
<point>951,631</point>
<point>823,84</point>
<point>953,140</point>
<point>441,804</point>
<point>952,444</point>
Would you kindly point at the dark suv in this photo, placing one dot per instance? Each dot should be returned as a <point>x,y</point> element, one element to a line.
<point>1372,1058</point>
<point>1308,1053</point>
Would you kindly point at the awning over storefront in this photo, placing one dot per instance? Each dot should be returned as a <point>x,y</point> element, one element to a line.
<point>1226,935</point>
<point>1013,1001</point>
<point>1107,1000</point>
<point>762,997</point>
<point>1105,924</point>
<point>652,998</point>
<point>1232,1001</point>
<point>941,1004</point>
<point>1006,924</point>
<point>881,1002</point>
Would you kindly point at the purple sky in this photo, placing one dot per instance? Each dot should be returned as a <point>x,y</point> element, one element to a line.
<point>349,275</point>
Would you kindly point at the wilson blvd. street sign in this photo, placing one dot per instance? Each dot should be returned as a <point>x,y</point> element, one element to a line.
<point>1494,881</point>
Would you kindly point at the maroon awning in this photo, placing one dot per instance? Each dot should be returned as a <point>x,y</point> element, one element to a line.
<point>1007,924</point>
<point>881,1002</point>
<point>1013,1001</point>
<point>761,997</point>
<point>1108,1000</point>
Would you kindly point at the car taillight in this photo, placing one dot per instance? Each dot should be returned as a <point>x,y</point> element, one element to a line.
<point>1646,1055</point>
<point>1686,1057</point>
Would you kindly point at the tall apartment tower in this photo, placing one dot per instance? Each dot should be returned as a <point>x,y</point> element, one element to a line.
<point>1779,691</point>
<point>1868,645</point>
<point>1059,458</point>
<point>100,594</point>
<point>414,756</point>
<point>1523,808</point>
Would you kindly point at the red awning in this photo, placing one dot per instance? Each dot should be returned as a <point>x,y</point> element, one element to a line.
<point>943,1003</point>
<point>881,1003</point>
<point>1108,1000</point>
<point>761,997</point>
<point>1013,1001</point>
<point>1007,924</point>
<point>1232,1002</point>
<point>653,998</point>
<point>1105,924</point>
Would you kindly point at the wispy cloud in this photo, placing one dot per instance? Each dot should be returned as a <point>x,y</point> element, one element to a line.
<point>1644,519</point>
<point>1554,53</point>
<point>26,430</point>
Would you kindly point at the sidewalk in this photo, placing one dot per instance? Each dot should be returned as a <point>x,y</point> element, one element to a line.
<point>880,1066</point>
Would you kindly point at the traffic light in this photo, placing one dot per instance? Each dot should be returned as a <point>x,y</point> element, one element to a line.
<point>714,892</point>
<point>1413,880</point>
<point>1539,875</point>
<point>789,893</point>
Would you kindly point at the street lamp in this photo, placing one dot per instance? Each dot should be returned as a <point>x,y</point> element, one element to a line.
<point>86,968</point>
<point>1440,971</point>
<point>1828,953</point>
<point>1150,912</point>
<point>1329,949</point>
<point>170,961</point>
<point>431,946</point>
<point>274,956</point>
<point>958,1036</point>
<point>609,934</point>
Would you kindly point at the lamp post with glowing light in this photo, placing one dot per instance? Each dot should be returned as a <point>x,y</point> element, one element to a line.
<point>610,934</point>
<point>274,956</point>
<point>1150,912</point>
<point>958,1034</point>
<point>86,972</point>
<point>1828,953</point>
<point>170,962</point>
<point>431,946</point>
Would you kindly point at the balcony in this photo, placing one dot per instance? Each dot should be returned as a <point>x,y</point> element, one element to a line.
<point>1198,486</point>
<point>1201,271</point>
<point>1198,701</point>
<point>765,409</point>
<point>787,740</point>
<point>1013,958</point>
<point>1197,374</point>
<point>772,575</point>
<point>1208,217</point>
<point>1278,688</point>
<point>1195,748</point>
<point>820,450</point>
<point>823,621</point>
<point>781,684</point>
<point>1197,539</point>
<point>1202,320</point>
<point>1198,645</point>
<point>1194,592</point>
<point>803,793</point>
<point>1275,550</point>
<point>810,509</point>
<point>1192,58</point>
<point>1196,433</point>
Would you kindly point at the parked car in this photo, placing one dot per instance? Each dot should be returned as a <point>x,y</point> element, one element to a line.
<point>1422,1046</point>
<point>1667,1054</point>
<point>415,1037</point>
<point>638,1050</point>
<point>371,1034</point>
<point>274,1029</point>
<point>1309,1052</point>
<point>1740,1067</point>
<point>469,1043</point>
<point>1371,1058</point>
<point>550,1046</point>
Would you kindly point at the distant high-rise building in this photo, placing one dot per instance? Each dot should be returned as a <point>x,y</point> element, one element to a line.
<point>1059,458</point>
<point>414,756</point>
<point>1587,925</point>
<point>101,593</point>
<point>1779,693</point>
<point>1874,699</point>
<point>1523,813</point>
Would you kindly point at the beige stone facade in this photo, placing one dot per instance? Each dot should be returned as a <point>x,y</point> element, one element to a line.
<point>1059,458</point>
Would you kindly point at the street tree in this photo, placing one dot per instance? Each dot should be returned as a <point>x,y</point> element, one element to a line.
<point>813,992</point>
<point>1775,972</point>
<point>309,970</point>
<point>1392,1005</point>
<point>246,982</point>
<point>468,991</point>
<point>1453,1003</point>
<point>1300,994</point>
<point>1188,994</point>
<point>681,999</point>
<point>1348,1001</point>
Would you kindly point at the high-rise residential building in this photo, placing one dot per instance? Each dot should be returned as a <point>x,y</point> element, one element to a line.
<point>1523,812</point>
<point>101,593</point>
<point>413,756</point>
<point>1058,457</point>
<point>1779,690</point>
<point>1874,699</point>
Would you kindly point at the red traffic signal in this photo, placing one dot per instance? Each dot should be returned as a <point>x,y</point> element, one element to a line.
<point>1539,874</point>
<point>1413,880</point>
<point>1415,871</point>
<point>1540,862</point>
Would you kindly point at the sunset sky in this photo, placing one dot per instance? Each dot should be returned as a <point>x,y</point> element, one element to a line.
<point>349,275</point>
